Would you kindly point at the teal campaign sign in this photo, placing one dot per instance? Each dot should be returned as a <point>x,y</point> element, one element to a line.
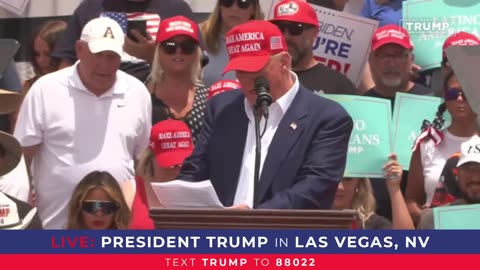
<point>408,115</point>
<point>460,217</point>
<point>430,22</point>
<point>370,142</point>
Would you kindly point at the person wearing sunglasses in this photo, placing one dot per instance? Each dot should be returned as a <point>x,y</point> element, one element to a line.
<point>170,143</point>
<point>225,15</point>
<point>429,158</point>
<point>175,80</point>
<point>97,203</point>
<point>299,24</point>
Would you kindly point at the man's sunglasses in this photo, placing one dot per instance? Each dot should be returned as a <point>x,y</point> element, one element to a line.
<point>105,207</point>
<point>453,94</point>
<point>243,4</point>
<point>294,29</point>
<point>186,46</point>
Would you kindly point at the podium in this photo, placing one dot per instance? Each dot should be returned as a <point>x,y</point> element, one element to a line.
<point>246,219</point>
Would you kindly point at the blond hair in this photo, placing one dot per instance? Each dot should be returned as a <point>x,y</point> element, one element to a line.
<point>106,182</point>
<point>211,27</point>
<point>363,200</point>
<point>157,74</point>
<point>144,167</point>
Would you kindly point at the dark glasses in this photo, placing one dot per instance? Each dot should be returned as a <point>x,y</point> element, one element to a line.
<point>170,47</point>
<point>243,4</point>
<point>453,94</point>
<point>105,207</point>
<point>294,29</point>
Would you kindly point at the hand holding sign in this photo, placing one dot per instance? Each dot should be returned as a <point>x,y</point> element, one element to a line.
<point>393,171</point>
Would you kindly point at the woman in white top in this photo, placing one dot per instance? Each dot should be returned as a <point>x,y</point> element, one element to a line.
<point>429,158</point>
<point>226,15</point>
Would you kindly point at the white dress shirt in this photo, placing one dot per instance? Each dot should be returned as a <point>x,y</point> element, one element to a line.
<point>244,193</point>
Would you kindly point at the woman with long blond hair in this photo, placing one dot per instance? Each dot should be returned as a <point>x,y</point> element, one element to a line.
<point>177,90</point>
<point>226,15</point>
<point>357,194</point>
<point>97,203</point>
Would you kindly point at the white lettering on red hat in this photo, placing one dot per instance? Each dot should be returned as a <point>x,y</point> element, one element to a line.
<point>181,134</point>
<point>230,85</point>
<point>287,9</point>
<point>179,26</point>
<point>165,135</point>
<point>254,36</point>
<point>465,42</point>
<point>169,145</point>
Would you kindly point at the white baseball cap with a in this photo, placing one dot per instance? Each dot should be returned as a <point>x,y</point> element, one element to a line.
<point>103,34</point>
<point>9,217</point>
<point>470,151</point>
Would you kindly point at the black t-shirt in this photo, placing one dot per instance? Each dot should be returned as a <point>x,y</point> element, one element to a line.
<point>90,9</point>
<point>23,208</point>
<point>323,79</point>
<point>417,89</point>
<point>384,207</point>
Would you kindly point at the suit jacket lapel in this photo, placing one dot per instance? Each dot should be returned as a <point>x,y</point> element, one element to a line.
<point>235,135</point>
<point>289,130</point>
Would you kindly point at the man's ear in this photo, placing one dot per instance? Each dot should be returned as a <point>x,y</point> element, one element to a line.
<point>286,61</point>
<point>78,47</point>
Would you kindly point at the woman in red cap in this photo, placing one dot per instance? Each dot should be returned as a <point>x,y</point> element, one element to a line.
<point>177,90</point>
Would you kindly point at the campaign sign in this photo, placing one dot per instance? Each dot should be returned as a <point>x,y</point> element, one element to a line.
<point>429,30</point>
<point>464,217</point>
<point>370,142</point>
<point>408,115</point>
<point>343,41</point>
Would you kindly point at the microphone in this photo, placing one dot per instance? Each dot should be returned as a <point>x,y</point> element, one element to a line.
<point>264,99</point>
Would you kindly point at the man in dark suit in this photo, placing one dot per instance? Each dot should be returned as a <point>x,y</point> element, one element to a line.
<point>305,141</point>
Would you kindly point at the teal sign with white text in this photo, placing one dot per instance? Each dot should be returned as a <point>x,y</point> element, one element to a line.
<point>430,22</point>
<point>370,142</point>
<point>408,115</point>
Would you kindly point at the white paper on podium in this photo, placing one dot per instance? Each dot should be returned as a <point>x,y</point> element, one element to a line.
<point>464,61</point>
<point>183,194</point>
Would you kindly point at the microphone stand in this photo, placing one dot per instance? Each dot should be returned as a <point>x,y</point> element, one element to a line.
<point>258,154</point>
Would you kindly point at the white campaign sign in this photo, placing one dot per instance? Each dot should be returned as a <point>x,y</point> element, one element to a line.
<point>343,42</point>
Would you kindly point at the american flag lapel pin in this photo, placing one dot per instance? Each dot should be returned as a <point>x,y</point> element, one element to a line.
<point>293,125</point>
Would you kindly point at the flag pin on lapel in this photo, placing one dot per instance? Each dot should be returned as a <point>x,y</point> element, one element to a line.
<point>293,125</point>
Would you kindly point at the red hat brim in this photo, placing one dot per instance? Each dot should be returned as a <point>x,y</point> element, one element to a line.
<point>172,158</point>
<point>247,63</point>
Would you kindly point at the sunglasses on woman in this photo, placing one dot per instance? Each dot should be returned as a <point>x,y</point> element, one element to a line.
<point>243,4</point>
<point>186,46</point>
<point>294,29</point>
<point>453,94</point>
<point>105,207</point>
